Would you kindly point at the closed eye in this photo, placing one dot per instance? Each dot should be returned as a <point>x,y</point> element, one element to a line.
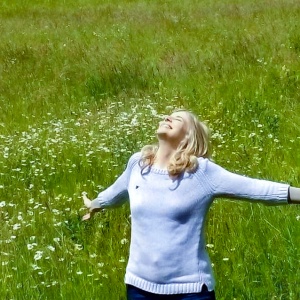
<point>178,118</point>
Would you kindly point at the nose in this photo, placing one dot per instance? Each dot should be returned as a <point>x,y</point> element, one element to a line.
<point>168,118</point>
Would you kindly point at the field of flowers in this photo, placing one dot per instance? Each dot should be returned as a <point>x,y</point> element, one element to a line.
<point>83,85</point>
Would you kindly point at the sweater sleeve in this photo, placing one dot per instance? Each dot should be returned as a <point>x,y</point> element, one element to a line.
<point>228,184</point>
<point>117,193</point>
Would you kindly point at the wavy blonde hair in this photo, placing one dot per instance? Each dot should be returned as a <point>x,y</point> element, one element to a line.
<point>195,144</point>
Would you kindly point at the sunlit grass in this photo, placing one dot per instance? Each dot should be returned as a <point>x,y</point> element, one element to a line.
<point>83,85</point>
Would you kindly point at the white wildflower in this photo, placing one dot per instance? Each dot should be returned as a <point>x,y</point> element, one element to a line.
<point>35,267</point>
<point>16,226</point>
<point>51,248</point>
<point>38,255</point>
<point>124,241</point>
<point>31,246</point>
<point>78,247</point>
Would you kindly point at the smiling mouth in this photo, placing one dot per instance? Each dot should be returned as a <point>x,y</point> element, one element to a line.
<point>166,125</point>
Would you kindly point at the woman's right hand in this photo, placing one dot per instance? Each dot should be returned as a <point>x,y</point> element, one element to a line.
<point>87,216</point>
<point>88,203</point>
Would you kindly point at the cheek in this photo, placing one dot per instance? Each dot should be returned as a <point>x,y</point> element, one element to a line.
<point>184,130</point>
<point>182,134</point>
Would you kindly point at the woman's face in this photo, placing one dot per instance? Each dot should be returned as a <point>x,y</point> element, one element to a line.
<point>174,127</point>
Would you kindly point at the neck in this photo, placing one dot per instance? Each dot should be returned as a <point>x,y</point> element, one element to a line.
<point>163,155</point>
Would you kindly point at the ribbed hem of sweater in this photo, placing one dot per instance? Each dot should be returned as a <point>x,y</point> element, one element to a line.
<point>167,288</point>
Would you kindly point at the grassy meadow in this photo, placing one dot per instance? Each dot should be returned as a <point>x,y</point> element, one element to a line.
<point>83,85</point>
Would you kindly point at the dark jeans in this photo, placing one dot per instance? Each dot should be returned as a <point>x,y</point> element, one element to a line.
<point>134,293</point>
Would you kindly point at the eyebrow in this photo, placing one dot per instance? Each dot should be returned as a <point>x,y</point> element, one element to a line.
<point>178,117</point>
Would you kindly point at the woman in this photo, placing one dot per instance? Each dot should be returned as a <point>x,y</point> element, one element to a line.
<point>171,187</point>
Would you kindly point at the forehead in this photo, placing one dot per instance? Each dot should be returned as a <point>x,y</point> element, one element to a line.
<point>182,114</point>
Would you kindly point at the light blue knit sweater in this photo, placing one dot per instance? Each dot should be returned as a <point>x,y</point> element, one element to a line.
<point>167,250</point>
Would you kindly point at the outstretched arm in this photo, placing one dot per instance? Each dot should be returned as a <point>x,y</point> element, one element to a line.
<point>294,195</point>
<point>114,195</point>
<point>228,184</point>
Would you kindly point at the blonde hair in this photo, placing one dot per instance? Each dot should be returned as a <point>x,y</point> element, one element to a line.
<point>195,144</point>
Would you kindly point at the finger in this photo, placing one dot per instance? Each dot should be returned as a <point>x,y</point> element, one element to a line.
<point>86,217</point>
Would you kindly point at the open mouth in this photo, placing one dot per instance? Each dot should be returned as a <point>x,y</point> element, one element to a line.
<point>166,125</point>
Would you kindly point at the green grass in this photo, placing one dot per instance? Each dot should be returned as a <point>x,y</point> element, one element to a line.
<point>83,85</point>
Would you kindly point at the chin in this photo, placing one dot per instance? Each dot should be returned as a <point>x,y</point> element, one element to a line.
<point>160,131</point>
<point>161,135</point>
